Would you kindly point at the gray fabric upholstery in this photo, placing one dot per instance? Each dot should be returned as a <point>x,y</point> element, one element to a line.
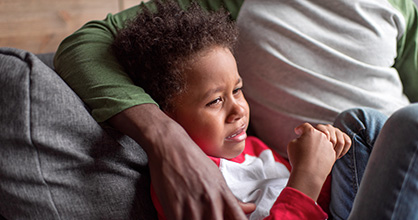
<point>47,59</point>
<point>56,162</point>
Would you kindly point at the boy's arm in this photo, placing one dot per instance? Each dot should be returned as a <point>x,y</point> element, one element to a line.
<point>188,183</point>
<point>293,204</point>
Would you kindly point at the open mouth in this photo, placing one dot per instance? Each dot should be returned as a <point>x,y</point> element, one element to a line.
<point>238,136</point>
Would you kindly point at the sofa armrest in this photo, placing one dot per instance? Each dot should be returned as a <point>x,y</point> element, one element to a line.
<point>56,161</point>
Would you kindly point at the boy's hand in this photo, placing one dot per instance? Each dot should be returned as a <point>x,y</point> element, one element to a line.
<point>339,139</point>
<point>311,151</point>
<point>312,156</point>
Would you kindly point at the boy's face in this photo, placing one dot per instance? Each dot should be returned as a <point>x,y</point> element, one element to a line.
<point>213,109</point>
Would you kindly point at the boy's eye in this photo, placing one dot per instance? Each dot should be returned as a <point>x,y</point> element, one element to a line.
<point>237,90</point>
<point>214,102</point>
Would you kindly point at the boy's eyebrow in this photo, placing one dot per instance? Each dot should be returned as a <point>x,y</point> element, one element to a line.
<point>218,89</point>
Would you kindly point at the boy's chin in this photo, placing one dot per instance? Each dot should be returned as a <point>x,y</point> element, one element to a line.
<point>236,151</point>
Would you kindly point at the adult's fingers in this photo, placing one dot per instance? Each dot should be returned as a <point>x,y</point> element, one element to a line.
<point>188,189</point>
<point>247,208</point>
<point>229,208</point>
<point>213,206</point>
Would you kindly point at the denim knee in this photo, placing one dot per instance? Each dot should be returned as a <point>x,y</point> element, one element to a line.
<point>407,114</point>
<point>404,122</point>
<point>357,120</point>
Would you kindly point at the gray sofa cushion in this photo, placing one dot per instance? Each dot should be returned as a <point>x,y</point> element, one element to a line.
<point>47,59</point>
<point>56,162</point>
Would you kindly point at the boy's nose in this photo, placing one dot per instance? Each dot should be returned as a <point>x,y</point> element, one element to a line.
<point>237,112</point>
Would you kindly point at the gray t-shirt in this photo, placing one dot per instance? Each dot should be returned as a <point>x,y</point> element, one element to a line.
<point>308,60</point>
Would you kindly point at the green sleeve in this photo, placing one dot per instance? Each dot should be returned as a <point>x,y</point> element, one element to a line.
<point>84,60</point>
<point>406,61</point>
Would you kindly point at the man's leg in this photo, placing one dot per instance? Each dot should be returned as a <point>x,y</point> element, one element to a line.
<point>389,189</point>
<point>363,126</point>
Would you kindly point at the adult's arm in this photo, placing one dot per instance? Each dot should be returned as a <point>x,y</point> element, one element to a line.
<point>187,183</point>
<point>407,60</point>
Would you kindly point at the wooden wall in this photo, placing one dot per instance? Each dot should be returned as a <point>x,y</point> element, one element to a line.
<point>40,25</point>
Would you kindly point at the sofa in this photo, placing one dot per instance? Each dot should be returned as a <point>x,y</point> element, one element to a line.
<point>56,161</point>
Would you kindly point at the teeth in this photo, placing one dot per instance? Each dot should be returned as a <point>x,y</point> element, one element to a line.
<point>233,135</point>
<point>238,132</point>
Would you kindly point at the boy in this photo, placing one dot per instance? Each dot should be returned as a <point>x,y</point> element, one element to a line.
<point>189,70</point>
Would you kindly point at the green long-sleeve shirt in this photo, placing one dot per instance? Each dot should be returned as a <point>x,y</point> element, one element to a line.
<point>85,62</point>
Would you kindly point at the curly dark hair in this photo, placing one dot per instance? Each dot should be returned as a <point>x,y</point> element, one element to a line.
<point>157,45</point>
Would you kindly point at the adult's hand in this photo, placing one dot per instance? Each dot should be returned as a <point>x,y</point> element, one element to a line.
<point>187,183</point>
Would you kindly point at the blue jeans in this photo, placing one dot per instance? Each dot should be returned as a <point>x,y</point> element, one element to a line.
<point>362,125</point>
<point>381,167</point>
